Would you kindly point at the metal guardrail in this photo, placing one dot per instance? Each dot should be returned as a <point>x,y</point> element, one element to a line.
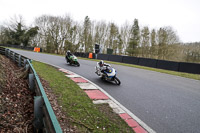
<point>44,117</point>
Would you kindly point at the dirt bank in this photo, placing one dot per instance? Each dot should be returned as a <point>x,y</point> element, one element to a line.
<point>16,101</point>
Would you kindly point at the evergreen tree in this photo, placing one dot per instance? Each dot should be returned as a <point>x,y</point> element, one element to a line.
<point>19,35</point>
<point>113,42</point>
<point>145,38</point>
<point>86,33</point>
<point>29,34</point>
<point>153,43</point>
<point>162,42</point>
<point>120,44</point>
<point>134,39</point>
<point>90,43</point>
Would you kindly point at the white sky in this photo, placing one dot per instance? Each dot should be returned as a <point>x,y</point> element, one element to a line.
<point>182,15</point>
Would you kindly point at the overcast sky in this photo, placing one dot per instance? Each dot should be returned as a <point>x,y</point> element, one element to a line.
<point>182,15</point>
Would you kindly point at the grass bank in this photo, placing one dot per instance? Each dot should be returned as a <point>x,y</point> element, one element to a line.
<point>85,115</point>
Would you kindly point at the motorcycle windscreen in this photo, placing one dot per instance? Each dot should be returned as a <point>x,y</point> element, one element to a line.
<point>110,72</point>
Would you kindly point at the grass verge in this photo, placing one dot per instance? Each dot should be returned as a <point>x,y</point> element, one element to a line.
<point>85,115</point>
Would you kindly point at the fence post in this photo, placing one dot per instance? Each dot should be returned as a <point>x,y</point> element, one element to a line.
<point>31,82</point>
<point>13,56</point>
<point>25,61</point>
<point>38,113</point>
<point>19,63</point>
<point>8,53</point>
<point>27,66</point>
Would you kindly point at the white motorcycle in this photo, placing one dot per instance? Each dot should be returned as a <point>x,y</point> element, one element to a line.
<point>109,74</point>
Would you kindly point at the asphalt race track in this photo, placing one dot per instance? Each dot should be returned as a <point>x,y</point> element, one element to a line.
<point>166,103</point>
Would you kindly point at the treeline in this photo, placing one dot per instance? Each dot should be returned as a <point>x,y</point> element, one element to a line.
<point>56,34</point>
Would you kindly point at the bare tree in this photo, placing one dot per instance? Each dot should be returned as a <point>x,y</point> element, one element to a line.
<point>166,37</point>
<point>125,36</point>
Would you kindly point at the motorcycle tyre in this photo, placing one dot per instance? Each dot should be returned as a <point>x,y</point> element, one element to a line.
<point>77,63</point>
<point>117,81</point>
<point>70,63</point>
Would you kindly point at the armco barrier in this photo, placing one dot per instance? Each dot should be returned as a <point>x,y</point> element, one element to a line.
<point>2,50</point>
<point>44,117</point>
<point>130,60</point>
<point>193,68</point>
<point>168,65</point>
<point>116,58</point>
<point>147,62</point>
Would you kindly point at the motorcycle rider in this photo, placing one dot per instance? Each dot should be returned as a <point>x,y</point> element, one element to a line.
<point>102,67</point>
<point>68,54</point>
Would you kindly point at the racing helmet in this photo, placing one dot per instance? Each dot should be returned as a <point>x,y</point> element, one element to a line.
<point>101,63</point>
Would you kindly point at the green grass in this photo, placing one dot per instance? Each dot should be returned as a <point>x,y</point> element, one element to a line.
<point>186,75</point>
<point>87,116</point>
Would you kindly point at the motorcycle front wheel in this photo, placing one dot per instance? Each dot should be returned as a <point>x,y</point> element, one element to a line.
<point>117,81</point>
<point>77,63</point>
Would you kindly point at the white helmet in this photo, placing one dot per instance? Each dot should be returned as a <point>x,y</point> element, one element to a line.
<point>101,63</point>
